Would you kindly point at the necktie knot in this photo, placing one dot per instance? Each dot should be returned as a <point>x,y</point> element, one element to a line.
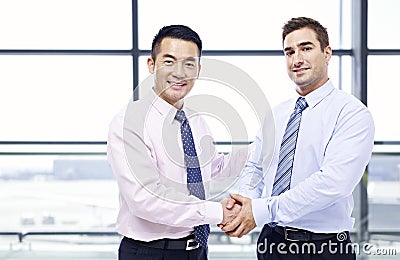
<point>301,104</point>
<point>180,116</point>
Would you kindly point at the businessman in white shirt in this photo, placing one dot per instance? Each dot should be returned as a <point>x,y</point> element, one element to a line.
<point>302,194</point>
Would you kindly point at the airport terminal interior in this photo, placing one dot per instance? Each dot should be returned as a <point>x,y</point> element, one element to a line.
<point>68,66</point>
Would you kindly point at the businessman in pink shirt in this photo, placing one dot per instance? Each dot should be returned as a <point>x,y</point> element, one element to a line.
<point>163,159</point>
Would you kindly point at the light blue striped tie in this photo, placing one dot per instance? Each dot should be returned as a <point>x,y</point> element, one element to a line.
<point>288,146</point>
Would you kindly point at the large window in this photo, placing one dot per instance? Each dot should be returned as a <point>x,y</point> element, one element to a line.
<point>382,24</point>
<point>61,97</point>
<point>237,25</point>
<point>383,56</point>
<point>66,24</point>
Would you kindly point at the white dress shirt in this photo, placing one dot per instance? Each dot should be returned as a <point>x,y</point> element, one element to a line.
<point>334,145</point>
<point>145,152</point>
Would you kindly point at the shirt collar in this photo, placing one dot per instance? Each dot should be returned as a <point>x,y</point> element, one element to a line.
<point>162,107</point>
<point>319,94</point>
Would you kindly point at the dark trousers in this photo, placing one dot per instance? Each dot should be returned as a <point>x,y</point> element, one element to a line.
<point>131,250</point>
<point>273,245</point>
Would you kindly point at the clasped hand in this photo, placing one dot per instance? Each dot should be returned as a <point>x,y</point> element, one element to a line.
<point>238,217</point>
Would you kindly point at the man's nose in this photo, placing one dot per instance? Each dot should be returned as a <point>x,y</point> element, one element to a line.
<point>298,58</point>
<point>179,70</point>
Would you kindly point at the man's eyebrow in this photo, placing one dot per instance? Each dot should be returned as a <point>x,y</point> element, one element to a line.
<point>305,43</point>
<point>300,45</point>
<point>174,58</point>
<point>191,59</point>
<point>287,49</point>
<point>169,56</point>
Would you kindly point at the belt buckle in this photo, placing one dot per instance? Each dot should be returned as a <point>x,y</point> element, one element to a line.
<point>286,234</point>
<point>188,247</point>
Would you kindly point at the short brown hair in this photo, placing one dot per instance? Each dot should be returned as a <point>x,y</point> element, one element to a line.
<point>301,22</point>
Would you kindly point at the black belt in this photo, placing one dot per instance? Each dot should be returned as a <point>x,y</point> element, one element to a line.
<point>295,234</point>
<point>186,243</point>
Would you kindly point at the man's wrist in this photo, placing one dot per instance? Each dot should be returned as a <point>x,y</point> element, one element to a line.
<point>260,211</point>
<point>213,212</point>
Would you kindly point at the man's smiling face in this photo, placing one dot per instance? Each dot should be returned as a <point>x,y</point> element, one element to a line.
<point>175,69</point>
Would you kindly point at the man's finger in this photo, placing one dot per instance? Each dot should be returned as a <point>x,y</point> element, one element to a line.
<point>230,204</point>
<point>232,225</point>
<point>240,231</point>
<point>237,197</point>
<point>236,232</point>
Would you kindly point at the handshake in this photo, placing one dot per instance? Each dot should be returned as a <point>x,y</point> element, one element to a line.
<point>238,219</point>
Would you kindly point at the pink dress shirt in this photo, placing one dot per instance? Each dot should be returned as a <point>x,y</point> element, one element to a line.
<point>144,150</point>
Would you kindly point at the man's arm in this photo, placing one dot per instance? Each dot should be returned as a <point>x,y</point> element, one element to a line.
<point>140,185</point>
<point>251,182</point>
<point>341,171</point>
<point>229,165</point>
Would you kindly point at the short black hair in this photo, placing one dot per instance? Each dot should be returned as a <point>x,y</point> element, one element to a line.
<point>295,24</point>
<point>181,32</point>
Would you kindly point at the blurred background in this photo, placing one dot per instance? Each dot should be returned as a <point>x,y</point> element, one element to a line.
<point>66,67</point>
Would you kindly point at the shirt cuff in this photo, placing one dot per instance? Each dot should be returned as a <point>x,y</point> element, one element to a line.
<point>213,213</point>
<point>260,211</point>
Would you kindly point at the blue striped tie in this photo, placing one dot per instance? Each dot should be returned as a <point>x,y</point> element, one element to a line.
<point>288,146</point>
<point>194,179</point>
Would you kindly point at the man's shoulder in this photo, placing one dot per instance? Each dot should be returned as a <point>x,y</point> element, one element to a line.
<point>133,110</point>
<point>288,103</point>
<point>119,115</point>
<point>346,105</point>
<point>345,99</point>
<point>136,113</point>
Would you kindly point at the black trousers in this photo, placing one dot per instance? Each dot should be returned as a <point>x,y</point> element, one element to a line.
<point>130,250</point>
<point>272,245</point>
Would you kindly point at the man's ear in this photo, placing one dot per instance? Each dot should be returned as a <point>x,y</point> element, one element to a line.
<point>150,65</point>
<point>198,71</point>
<point>328,54</point>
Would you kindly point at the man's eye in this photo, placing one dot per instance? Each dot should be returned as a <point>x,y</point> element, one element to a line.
<point>289,53</point>
<point>168,62</point>
<point>307,49</point>
<point>190,65</point>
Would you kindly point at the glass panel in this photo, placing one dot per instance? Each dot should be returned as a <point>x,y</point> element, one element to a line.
<point>384,191</point>
<point>346,72</point>
<point>46,192</point>
<point>54,194</point>
<point>46,148</point>
<point>61,98</point>
<point>240,25</point>
<point>66,24</point>
<point>265,73</point>
<point>383,93</point>
<point>60,247</point>
<point>268,72</point>
<point>383,24</point>
<point>345,33</point>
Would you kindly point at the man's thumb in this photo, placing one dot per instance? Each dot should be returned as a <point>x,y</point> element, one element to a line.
<point>236,197</point>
